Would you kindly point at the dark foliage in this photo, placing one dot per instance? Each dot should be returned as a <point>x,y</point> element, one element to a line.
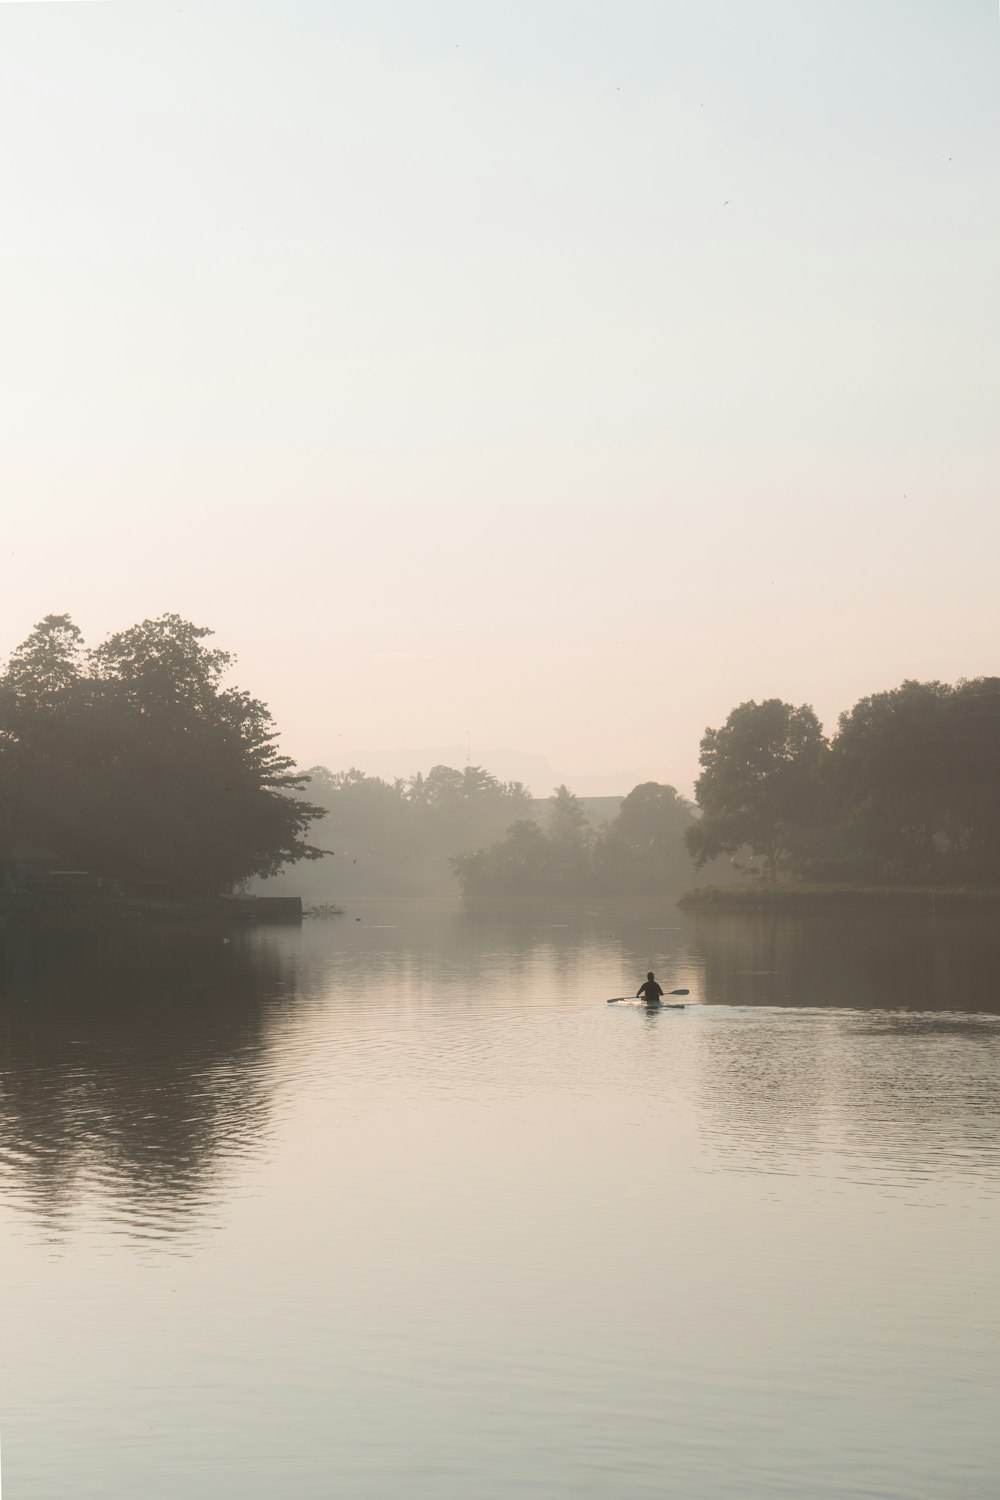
<point>760,786</point>
<point>916,776</point>
<point>642,850</point>
<point>133,761</point>
<point>908,791</point>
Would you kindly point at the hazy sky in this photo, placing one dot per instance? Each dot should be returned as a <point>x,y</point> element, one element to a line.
<point>561,373</point>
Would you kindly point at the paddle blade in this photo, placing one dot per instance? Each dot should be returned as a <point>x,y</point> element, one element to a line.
<point>680,992</point>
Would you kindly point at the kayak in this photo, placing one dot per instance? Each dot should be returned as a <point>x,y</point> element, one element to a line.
<point>649,1004</point>
<point>663,1004</point>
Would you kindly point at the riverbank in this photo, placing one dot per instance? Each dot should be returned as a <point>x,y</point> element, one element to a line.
<point>839,897</point>
<point>62,909</point>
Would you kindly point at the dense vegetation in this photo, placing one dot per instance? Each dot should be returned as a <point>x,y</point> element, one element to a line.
<point>398,837</point>
<point>132,760</point>
<point>641,850</point>
<point>907,791</point>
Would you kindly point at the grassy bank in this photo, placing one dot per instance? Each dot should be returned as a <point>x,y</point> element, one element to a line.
<point>835,897</point>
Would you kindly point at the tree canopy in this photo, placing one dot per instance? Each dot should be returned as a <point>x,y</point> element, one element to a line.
<point>398,837</point>
<point>908,789</point>
<point>759,786</point>
<point>640,851</point>
<point>133,760</point>
<point>916,777</point>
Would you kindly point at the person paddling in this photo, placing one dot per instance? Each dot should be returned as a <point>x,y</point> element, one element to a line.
<point>650,991</point>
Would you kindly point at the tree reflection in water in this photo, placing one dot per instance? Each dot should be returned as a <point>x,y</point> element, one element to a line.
<point>882,959</point>
<point>133,1070</point>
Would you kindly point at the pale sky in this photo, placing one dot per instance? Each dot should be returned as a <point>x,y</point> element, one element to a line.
<point>558,374</point>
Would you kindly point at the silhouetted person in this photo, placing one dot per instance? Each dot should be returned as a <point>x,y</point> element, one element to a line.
<point>650,991</point>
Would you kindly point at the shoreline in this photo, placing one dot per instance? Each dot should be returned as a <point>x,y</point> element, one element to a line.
<point>21,911</point>
<point>820,898</point>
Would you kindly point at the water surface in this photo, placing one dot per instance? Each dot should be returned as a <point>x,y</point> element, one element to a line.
<point>400,1207</point>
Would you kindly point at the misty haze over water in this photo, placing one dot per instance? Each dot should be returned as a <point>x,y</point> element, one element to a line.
<point>440,441</point>
<point>401,1205</point>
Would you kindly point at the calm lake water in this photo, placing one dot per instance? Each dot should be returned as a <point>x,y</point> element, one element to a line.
<point>400,1209</point>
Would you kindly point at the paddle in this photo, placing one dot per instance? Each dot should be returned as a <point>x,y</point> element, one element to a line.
<point>619,998</point>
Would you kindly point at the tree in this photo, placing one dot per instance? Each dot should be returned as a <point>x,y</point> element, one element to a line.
<point>520,864</point>
<point>134,760</point>
<point>889,770</point>
<point>476,783</point>
<point>759,786</point>
<point>916,773</point>
<point>653,814</point>
<point>45,667</point>
<point>40,689</point>
<point>644,847</point>
<point>162,668</point>
<point>570,840</point>
<point>642,850</point>
<point>399,836</point>
<point>973,799</point>
<point>444,787</point>
<point>567,822</point>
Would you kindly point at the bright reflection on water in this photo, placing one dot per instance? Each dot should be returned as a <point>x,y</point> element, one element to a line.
<point>401,1208</point>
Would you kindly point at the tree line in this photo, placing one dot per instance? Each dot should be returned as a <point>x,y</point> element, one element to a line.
<point>906,791</point>
<point>134,759</point>
<point>398,837</point>
<point>641,849</point>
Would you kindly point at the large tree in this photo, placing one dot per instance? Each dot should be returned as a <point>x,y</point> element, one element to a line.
<point>644,847</point>
<point>519,865</point>
<point>916,771</point>
<point>134,760</point>
<point>973,826</point>
<point>889,772</point>
<point>759,786</point>
<point>44,668</point>
<point>567,821</point>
